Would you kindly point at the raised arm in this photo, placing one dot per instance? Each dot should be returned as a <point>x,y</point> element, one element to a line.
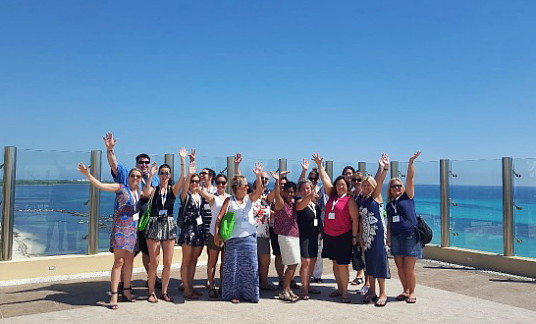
<point>259,188</point>
<point>279,202</point>
<point>237,161</point>
<point>111,187</point>
<point>109,142</point>
<point>149,190</point>
<point>180,182</point>
<point>324,177</point>
<point>410,186</point>
<point>205,194</point>
<point>304,168</point>
<point>304,202</point>
<point>383,167</point>
<point>191,171</point>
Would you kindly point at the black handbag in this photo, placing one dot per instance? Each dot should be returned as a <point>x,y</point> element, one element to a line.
<point>357,258</point>
<point>424,232</point>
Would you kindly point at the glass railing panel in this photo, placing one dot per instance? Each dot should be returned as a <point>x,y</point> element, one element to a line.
<point>525,207</point>
<point>1,188</point>
<point>51,204</point>
<point>476,205</point>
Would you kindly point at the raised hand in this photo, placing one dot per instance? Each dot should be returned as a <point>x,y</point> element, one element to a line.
<point>83,169</point>
<point>384,161</point>
<point>414,156</point>
<point>317,159</point>
<point>182,153</point>
<point>238,158</point>
<point>258,168</point>
<point>191,156</point>
<point>279,175</point>
<point>153,170</point>
<point>109,141</point>
<point>305,164</point>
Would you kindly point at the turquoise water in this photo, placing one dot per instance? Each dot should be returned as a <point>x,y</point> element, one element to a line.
<point>56,217</point>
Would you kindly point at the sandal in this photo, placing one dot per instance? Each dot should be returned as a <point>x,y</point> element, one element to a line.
<point>113,306</point>
<point>132,296</point>
<point>165,297</point>
<point>357,281</point>
<point>213,293</point>
<point>285,296</point>
<point>336,293</point>
<point>368,298</point>
<point>191,297</point>
<point>235,300</point>
<point>152,298</point>
<point>411,300</point>
<point>402,296</point>
<point>345,300</point>
<point>305,297</point>
<point>381,302</point>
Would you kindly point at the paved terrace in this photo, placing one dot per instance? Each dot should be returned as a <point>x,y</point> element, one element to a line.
<point>446,293</point>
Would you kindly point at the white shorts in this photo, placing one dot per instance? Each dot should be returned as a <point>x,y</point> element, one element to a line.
<point>290,249</point>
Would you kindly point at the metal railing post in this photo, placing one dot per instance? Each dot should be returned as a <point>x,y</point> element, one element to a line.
<point>444,168</point>
<point>508,206</point>
<point>94,204</point>
<point>329,169</point>
<point>282,165</point>
<point>8,199</point>
<point>169,159</point>
<point>230,172</point>
<point>394,170</point>
<point>362,167</point>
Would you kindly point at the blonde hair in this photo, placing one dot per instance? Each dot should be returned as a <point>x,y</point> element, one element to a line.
<point>237,181</point>
<point>390,196</point>
<point>371,181</point>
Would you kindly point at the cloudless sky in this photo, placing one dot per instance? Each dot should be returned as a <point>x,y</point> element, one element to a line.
<point>271,79</point>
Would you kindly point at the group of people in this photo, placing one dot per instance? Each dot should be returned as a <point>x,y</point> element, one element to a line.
<point>299,223</point>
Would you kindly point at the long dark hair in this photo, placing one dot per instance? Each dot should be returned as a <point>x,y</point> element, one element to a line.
<point>165,165</point>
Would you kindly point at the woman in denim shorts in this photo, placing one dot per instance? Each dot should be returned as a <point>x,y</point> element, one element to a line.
<point>402,231</point>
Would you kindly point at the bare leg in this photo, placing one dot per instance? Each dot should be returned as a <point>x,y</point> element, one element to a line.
<point>289,275</point>
<point>211,268</point>
<point>264,266</point>
<point>154,257</point>
<point>168,247</point>
<point>399,261</point>
<point>344,276</point>
<point>116,274</point>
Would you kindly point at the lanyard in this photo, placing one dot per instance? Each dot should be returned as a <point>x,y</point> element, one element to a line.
<point>336,201</point>
<point>163,197</point>
<point>312,207</point>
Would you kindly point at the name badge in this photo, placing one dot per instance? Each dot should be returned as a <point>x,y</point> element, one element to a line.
<point>396,219</point>
<point>315,222</point>
<point>136,216</point>
<point>331,216</point>
<point>207,206</point>
<point>199,220</point>
<point>162,212</point>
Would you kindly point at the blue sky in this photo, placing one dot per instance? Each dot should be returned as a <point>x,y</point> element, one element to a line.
<point>271,79</point>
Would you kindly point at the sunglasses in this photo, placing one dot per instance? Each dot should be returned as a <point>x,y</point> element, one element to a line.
<point>194,181</point>
<point>264,178</point>
<point>137,176</point>
<point>164,173</point>
<point>396,186</point>
<point>144,162</point>
<point>357,180</point>
<point>221,182</point>
<point>313,179</point>
<point>203,173</point>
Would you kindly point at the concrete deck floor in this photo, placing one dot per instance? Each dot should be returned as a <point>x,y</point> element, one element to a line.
<point>445,293</point>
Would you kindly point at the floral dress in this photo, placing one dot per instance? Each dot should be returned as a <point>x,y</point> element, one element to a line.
<point>193,232</point>
<point>373,225</point>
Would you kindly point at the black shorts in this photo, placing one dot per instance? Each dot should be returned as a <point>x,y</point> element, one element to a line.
<point>276,250</point>
<point>338,248</point>
<point>142,243</point>
<point>309,247</point>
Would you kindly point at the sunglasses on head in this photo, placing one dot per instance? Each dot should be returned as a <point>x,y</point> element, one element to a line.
<point>221,182</point>
<point>144,162</point>
<point>137,176</point>
<point>396,186</point>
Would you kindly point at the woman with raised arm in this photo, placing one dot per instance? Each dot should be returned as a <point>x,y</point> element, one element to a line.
<point>192,236</point>
<point>340,228</point>
<point>240,268</point>
<point>401,232</point>
<point>288,236</point>
<point>124,229</point>
<point>162,228</point>
<point>215,202</point>
<point>309,225</point>
<point>373,232</point>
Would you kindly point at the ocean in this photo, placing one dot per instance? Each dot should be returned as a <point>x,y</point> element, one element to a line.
<point>52,219</point>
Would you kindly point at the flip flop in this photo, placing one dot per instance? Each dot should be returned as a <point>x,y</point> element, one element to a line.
<point>345,300</point>
<point>381,302</point>
<point>369,298</point>
<point>411,300</point>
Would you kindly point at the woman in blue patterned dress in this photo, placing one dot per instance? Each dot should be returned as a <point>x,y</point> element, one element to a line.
<point>240,267</point>
<point>373,231</point>
<point>124,228</point>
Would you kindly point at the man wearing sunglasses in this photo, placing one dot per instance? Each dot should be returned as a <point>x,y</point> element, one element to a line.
<point>120,174</point>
